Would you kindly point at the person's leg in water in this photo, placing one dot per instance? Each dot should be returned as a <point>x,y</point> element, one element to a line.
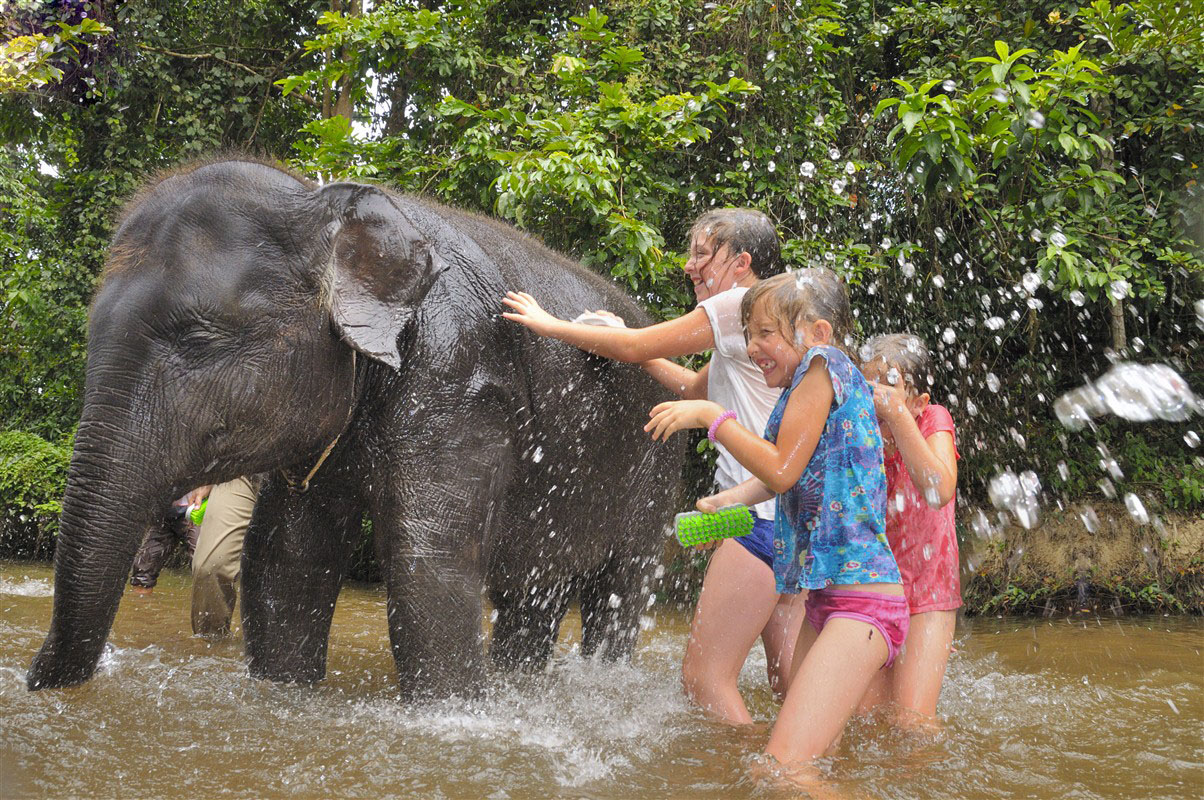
<point>833,668</point>
<point>217,562</point>
<point>737,604</point>
<point>915,679</point>
<point>913,682</point>
<point>152,554</point>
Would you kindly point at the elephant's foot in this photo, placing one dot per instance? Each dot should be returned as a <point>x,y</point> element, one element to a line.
<point>56,667</point>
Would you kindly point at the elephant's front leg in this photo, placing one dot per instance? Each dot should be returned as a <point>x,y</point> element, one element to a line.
<point>431,541</point>
<point>295,556</point>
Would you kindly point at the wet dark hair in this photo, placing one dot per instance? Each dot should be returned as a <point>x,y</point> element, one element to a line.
<point>809,295</point>
<point>743,230</point>
<point>907,354</point>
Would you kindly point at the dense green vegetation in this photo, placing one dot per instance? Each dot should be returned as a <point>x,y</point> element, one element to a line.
<point>1015,182</point>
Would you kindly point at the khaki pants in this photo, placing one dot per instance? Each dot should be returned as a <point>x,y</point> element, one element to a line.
<point>218,557</point>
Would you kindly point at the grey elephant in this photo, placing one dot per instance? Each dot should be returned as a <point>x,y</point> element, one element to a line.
<point>345,342</point>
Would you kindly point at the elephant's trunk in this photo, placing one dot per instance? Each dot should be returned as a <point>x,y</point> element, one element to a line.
<point>112,498</point>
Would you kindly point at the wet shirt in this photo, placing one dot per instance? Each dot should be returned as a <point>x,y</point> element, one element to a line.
<point>735,383</point>
<point>830,527</point>
<point>923,539</point>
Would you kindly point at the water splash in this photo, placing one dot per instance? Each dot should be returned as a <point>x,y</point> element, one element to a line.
<point>1136,392</point>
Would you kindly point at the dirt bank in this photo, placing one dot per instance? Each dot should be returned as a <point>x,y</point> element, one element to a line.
<point>1059,567</point>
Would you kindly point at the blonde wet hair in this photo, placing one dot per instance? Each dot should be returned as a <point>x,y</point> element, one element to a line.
<point>805,295</point>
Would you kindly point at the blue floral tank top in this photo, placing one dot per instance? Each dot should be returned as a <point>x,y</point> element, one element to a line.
<point>830,527</point>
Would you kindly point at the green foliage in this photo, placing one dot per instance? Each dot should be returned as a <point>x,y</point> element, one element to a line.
<point>1019,189</point>
<point>28,62</point>
<point>33,475</point>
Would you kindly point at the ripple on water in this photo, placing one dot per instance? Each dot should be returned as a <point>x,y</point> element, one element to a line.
<point>1029,709</point>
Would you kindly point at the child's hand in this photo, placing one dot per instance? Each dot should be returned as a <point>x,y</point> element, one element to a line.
<point>527,312</point>
<point>889,401</point>
<point>669,418</point>
<point>709,504</point>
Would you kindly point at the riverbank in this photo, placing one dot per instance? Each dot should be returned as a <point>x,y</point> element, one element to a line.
<point>1062,567</point>
<point>1059,567</point>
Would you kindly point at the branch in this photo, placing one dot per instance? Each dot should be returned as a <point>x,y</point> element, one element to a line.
<point>214,56</point>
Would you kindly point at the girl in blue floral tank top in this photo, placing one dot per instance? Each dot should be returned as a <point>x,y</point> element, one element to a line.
<point>822,457</point>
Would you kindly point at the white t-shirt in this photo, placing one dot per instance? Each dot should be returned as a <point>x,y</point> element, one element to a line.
<point>735,383</point>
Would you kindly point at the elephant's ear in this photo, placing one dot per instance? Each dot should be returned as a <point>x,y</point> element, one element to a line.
<point>380,269</point>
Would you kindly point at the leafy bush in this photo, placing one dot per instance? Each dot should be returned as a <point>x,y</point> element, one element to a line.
<point>33,475</point>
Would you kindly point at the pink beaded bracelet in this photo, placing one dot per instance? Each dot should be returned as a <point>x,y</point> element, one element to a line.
<point>719,420</point>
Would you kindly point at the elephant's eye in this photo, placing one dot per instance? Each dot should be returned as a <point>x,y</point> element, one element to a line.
<point>198,335</point>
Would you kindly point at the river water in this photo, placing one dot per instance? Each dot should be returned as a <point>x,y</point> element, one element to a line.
<point>1083,708</point>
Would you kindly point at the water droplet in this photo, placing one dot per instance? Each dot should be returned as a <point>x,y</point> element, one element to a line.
<point>1118,290</point>
<point>992,382</point>
<point>949,336</point>
<point>926,551</point>
<point>1036,119</point>
<point>1063,471</point>
<point>771,55</point>
<point>1078,298</point>
<point>834,154</point>
<point>1057,239</point>
<point>994,323</point>
<point>1090,519</point>
<point>1000,95</point>
<point>838,185</point>
<point>806,169</point>
<point>745,165</point>
<point>849,167</point>
<point>1136,509</point>
<point>948,86</point>
<point>1031,282</point>
<point>939,232</point>
<point>938,281</point>
<point>1192,438</point>
<point>771,166</point>
<point>537,456</point>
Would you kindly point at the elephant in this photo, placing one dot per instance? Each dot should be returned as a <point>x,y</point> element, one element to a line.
<point>344,342</point>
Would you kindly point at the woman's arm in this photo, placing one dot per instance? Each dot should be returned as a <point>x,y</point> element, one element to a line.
<point>749,493</point>
<point>682,381</point>
<point>778,466</point>
<point>931,462</point>
<point>689,333</point>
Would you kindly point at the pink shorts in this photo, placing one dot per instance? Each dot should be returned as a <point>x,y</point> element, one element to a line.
<point>888,613</point>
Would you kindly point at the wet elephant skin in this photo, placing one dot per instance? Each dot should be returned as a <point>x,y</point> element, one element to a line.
<point>249,321</point>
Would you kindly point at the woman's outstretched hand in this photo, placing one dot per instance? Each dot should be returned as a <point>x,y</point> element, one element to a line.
<point>669,418</point>
<point>526,311</point>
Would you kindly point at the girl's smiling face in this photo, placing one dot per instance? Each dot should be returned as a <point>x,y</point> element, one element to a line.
<point>710,267</point>
<point>769,348</point>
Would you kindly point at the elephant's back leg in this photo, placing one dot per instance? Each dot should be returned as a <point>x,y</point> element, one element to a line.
<point>528,621</point>
<point>613,598</point>
<point>296,554</point>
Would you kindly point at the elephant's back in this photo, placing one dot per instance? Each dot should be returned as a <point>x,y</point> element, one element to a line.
<point>503,258</point>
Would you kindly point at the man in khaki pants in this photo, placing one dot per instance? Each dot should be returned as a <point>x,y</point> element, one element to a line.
<point>218,558</point>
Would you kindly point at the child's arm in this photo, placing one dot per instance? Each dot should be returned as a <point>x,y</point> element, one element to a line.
<point>749,493</point>
<point>931,462</point>
<point>682,381</point>
<point>778,466</point>
<point>689,333</point>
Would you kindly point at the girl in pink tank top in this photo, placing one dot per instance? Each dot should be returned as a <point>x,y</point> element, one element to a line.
<point>921,486</point>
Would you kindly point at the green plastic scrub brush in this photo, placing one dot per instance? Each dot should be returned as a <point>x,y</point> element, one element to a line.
<point>696,527</point>
<point>197,514</point>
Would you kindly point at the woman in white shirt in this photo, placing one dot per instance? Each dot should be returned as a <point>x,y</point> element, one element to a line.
<point>730,250</point>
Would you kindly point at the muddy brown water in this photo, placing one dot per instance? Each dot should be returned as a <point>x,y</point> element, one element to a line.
<point>1078,708</point>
